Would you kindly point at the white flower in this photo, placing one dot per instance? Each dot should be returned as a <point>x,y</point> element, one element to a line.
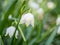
<point>50,5</point>
<point>10,16</point>
<point>27,19</point>
<point>10,31</point>
<point>16,34</point>
<point>39,1</point>
<point>33,5</point>
<point>58,31</point>
<point>58,21</point>
<point>40,11</point>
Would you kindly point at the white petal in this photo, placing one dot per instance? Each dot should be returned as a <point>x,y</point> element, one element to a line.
<point>7,32</point>
<point>58,21</point>
<point>23,19</point>
<point>32,23</point>
<point>16,34</point>
<point>58,31</point>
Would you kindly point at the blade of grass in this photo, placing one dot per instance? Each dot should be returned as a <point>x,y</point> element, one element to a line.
<point>10,3</point>
<point>28,32</point>
<point>51,37</point>
<point>45,34</point>
<point>1,42</point>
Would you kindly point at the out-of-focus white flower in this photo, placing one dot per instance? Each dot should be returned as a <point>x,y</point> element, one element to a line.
<point>39,1</point>
<point>58,31</point>
<point>50,5</point>
<point>10,31</point>
<point>27,19</point>
<point>10,16</point>
<point>16,34</point>
<point>40,11</point>
<point>58,21</point>
<point>33,5</point>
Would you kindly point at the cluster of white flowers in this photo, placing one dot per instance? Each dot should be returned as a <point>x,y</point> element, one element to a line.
<point>10,31</point>
<point>36,6</point>
<point>50,5</point>
<point>33,4</point>
<point>27,19</point>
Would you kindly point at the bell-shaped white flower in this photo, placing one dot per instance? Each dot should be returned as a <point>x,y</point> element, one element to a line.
<point>33,5</point>
<point>10,31</point>
<point>50,5</point>
<point>16,34</point>
<point>58,21</point>
<point>27,19</point>
<point>58,31</point>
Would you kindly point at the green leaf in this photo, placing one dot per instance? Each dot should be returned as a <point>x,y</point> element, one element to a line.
<point>28,32</point>
<point>17,7</point>
<point>51,37</point>
<point>32,41</point>
<point>45,34</point>
<point>1,42</point>
<point>9,4</point>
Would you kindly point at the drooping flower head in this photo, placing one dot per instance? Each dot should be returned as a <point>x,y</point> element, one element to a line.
<point>27,19</point>
<point>10,31</point>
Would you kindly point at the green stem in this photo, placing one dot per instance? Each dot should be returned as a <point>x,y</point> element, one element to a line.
<point>22,33</point>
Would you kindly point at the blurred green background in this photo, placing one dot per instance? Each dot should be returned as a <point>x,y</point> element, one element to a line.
<point>44,31</point>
